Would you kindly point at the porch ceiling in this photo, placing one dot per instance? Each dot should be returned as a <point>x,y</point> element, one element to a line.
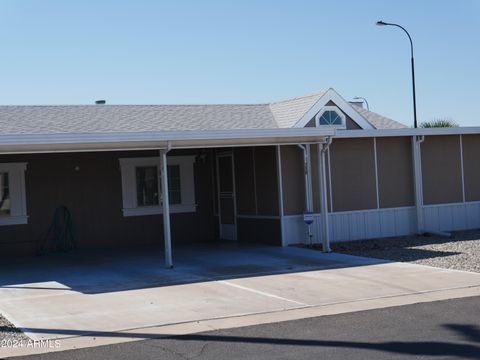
<point>158,140</point>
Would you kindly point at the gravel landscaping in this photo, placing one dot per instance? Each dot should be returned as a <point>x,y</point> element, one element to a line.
<point>460,252</point>
<point>8,332</point>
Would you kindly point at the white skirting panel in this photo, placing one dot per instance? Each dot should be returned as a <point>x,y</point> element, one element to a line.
<point>354,225</point>
<point>377,223</point>
<point>451,217</point>
<point>369,224</point>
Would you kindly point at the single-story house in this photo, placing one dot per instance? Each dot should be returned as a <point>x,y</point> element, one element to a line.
<point>143,174</point>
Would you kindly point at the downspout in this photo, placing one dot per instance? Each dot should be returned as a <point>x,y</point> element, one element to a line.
<point>418,182</point>
<point>280,195</point>
<point>307,176</point>
<point>322,150</point>
<point>307,169</point>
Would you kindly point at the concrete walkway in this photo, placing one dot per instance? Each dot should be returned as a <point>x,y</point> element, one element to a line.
<point>112,297</point>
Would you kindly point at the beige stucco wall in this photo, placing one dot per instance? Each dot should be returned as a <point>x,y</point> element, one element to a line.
<point>294,180</point>
<point>395,172</point>
<point>93,194</point>
<point>471,166</point>
<point>353,174</point>
<point>441,168</point>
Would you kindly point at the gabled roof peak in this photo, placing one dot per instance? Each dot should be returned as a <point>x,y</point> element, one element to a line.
<point>316,94</point>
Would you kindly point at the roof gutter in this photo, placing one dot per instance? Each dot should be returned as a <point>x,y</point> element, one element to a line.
<point>406,132</point>
<point>44,143</point>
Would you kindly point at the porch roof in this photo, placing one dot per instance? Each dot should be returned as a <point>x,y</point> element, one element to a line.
<point>79,142</point>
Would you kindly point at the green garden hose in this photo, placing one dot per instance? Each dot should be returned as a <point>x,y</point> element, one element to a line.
<point>59,237</point>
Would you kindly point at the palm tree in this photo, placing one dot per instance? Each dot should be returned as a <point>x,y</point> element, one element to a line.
<point>439,123</point>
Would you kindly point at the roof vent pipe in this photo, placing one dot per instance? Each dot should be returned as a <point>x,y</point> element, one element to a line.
<point>100,102</point>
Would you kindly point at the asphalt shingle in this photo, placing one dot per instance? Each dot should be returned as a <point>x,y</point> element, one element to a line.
<point>64,119</point>
<point>288,112</point>
<point>131,118</point>
<point>379,121</point>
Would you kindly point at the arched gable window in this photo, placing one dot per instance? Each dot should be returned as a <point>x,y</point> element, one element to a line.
<point>330,116</point>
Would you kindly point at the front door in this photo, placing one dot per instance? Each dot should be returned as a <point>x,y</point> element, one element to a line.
<point>226,196</point>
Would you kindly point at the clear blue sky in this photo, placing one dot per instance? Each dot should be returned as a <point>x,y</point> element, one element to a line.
<point>140,51</point>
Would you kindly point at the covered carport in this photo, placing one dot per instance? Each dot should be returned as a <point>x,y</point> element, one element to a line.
<point>99,297</point>
<point>165,141</point>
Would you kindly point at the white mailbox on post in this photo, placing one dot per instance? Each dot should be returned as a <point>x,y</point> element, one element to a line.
<point>308,220</point>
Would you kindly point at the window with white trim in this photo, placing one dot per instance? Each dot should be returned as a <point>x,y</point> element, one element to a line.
<point>13,207</point>
<point>141,186</point>
<point>331,116</point>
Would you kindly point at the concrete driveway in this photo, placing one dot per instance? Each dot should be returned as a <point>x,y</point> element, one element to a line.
<point>127,294</point>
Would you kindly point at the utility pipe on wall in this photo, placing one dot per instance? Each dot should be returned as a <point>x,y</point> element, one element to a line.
<point>307,170</point>
<point>307,176</point>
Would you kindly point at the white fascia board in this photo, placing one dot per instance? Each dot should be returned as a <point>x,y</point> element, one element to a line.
<point>25,143</point>
<point>341,103</point>
<point>406,132</point>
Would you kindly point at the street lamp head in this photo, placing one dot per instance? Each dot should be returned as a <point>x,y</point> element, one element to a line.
<point>383,23</point>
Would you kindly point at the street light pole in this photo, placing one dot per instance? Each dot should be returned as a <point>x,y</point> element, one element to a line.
<point>382,23</point>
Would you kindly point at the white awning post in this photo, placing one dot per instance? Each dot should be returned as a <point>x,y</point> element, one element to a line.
<point>309,190</point>
<point>309,178</point>
<point>322,149</point>
<point>418,182</point>
<point>280,195</point>
<point>166,209</point>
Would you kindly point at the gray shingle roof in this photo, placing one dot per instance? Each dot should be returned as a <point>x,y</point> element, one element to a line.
<point>379,121</point>
<point>131,118</point>
<point>288,112</point>
<point>58,119</point>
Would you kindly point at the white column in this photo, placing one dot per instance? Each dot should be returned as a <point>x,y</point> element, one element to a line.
<point>280,195</point>
<point>323,197</point>
<point>418,185</point>
<point>375,158</point>
<point>461,168</point>
<point>309,179</point>
<point>166,209</point>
